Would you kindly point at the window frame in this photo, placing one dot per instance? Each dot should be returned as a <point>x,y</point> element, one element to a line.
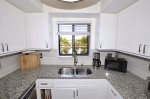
<point>73,39</point>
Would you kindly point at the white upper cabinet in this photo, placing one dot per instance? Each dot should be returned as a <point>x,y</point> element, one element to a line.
<point>145,26</point>
<point>133,29</point>
<point>38,31</point>
<point>12,28</point>
<point>115,6</point>
<point>107,36</point>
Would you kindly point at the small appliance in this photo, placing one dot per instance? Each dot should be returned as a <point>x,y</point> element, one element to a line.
<point>117,64</point>
<point>96,60</point>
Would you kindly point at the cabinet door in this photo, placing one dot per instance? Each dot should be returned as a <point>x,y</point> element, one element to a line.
<point>87,92</point>
<point>107,31</point>
<point>145,23</point>
<point>129,30</point>
<point>112,93</point>
<point>38,31</point>
<point>12,27</point>
<point>63,93</point>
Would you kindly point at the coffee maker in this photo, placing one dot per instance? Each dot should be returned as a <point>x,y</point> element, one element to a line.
<point>96,60</point>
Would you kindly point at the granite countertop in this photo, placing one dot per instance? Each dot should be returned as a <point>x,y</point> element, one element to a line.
<point>127,84</point>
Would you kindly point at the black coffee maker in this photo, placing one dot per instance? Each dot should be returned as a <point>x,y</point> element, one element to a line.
<point>96,60</point>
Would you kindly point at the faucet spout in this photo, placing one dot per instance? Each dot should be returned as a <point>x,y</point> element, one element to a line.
<point>75,59</point>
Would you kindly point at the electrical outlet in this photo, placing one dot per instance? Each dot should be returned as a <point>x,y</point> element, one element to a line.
<point>41,55</point>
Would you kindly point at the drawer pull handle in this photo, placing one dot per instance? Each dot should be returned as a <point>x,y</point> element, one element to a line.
<point>144,49</point>
<point>140,48</point>
<point>77,93</point>
<point>113,92</point>
<point>74,93</point>
<point>7,48</point>
<point>44,83</point>
<point>3,47</point>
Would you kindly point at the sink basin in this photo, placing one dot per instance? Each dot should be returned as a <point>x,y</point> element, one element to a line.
<point>66,71</point>
<point>83,71</point>
<point>70,72</point>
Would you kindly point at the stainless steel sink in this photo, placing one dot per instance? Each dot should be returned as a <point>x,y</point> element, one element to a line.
<point>70,72</point>
<point>83,71</point>
<point>66,71</point>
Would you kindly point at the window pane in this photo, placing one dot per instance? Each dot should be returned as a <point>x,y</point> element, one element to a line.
<point>81,28</point>
<point>81,44</point>
<point>65,28</point>
<point>65,44</point>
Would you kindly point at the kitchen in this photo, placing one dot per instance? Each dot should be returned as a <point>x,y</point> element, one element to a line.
<point>38,28</point>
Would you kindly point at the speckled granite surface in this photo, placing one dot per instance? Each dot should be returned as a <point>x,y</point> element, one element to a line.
<point>127,84</point>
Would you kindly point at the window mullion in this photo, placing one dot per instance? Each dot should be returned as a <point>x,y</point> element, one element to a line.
<point>73,39</point>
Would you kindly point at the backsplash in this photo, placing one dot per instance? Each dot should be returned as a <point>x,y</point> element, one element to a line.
<point>139,67</point>
<point>53,58</point>
<point>8,64</point>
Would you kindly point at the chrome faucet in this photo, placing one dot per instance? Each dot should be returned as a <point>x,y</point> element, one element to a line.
<point>75,58</point>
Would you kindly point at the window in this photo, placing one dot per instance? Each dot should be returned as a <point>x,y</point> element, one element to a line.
<point>73,38</point>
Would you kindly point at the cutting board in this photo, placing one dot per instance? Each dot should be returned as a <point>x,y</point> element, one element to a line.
<point>28,61</point>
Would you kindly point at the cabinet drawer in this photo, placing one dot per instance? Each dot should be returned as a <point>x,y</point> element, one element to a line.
<point>113,93</point>
<point>42,83</point>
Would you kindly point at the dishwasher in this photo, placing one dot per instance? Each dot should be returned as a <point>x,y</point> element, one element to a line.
<point>30,93</point>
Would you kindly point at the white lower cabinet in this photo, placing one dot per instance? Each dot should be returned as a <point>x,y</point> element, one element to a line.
<point>64,93</point>
<point>81,88</point>
<point>86,92</point>
<point>44,88</point>
<point>75,89</point>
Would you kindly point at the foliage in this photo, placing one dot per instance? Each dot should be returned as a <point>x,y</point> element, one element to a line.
<point>80,45</point>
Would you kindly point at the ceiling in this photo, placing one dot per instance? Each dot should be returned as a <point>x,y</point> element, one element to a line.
<point>66,5</point>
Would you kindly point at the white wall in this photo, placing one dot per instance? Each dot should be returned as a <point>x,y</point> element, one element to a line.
<point>92,9</point>
<point>74,20</point>
<point>53,56</point>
